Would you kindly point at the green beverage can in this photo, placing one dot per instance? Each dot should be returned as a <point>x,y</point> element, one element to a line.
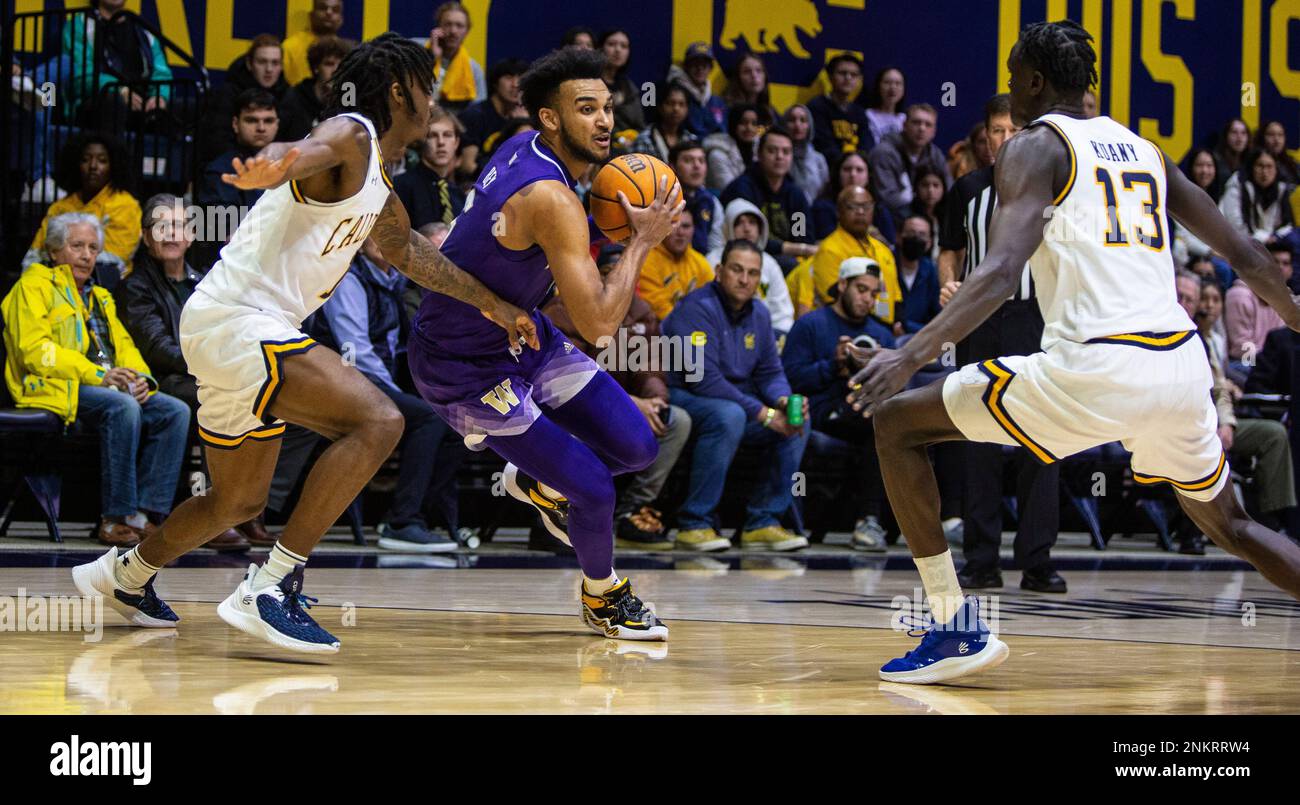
<point>794,410</point>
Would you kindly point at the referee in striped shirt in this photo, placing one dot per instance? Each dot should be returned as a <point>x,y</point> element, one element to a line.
<point>1015,329</point>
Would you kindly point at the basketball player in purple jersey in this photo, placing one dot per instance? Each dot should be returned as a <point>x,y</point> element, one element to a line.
<point>565,427</point>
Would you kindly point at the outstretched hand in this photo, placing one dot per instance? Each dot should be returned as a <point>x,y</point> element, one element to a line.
<point>258,172</point>
<point>520,328</point>
<point>885,374</point>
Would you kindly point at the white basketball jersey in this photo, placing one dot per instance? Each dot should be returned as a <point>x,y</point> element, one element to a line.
<point>1105,267</point>
<point>290,252</point>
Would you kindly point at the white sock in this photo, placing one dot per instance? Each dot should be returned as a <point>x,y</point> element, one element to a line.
<point>131,572</point>
<point>941,587</point>
<point>136,520</point>
<point>278,564</point>
<point>600,586</point>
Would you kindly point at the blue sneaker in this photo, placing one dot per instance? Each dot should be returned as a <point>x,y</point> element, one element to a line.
<point>277,613</point>
<point>948,652</point>
<point>142,608</point>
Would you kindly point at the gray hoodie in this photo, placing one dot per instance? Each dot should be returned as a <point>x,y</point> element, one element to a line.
<point>772,290</point>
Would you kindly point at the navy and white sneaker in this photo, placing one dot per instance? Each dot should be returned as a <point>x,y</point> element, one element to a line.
<point>554,509</point>
<point>277,613</point>
<point>959,648</point>
<point>414,538</point>
<point>140,609</point>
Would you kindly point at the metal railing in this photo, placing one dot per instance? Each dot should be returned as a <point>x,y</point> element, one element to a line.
<point>66,87</point>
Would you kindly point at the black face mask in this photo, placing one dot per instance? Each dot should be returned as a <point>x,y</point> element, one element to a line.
<point>914,248</point>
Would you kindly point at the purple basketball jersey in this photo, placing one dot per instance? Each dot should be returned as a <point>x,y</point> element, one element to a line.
<point>522,278</point>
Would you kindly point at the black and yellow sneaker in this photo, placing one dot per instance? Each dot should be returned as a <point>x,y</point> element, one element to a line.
<point>553,508</point>
<point>620,614</point>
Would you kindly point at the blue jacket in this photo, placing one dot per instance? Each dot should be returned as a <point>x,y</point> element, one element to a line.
<point>921,303</point>
<point>780,207</point>
<point>740,359</point>
<point>365,317</point>
<point>809,355</point>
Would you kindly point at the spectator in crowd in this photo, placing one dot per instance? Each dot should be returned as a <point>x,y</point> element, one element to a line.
<point>747,83</point>
<point>840,125</point>
<point>1256,201</point>
<point>460,78</point>
<point>1199,167</point>
<point>1212,268</point>
<point>672,270</point>
<point>97,175</point>
<point>1264,440</point>
<point>366,318</point>
<point>885,103</point>
<point>767,185</point>
<point>259,68</point>
<point>636,523</point>
<point>1209,321</point>
<point>918,278</point>
<point>628,114</point>
<point>132,58</point>
<point>744,221</point>
<point>739,397</point>
<point>708,113</point>
<point>979,143</point>
<point>302,107</point>
<point>1248,318</point>
<point>1271,137</point>
<point>1230,150</point>
<point>326,19</point>
<point>689,162</point>
<point>69,353</point>
<point>485,121</point>
<point>579,36</point>
<point>255,125</point>
<point>895,161</point>
<point>851,238</point>
<point>428,189</point>
<point>151,298</point>
<point>851,171</point>
<point>669,127</point>
<point>730,153</point>
<point>816,359</point>
<point>927,200</point>
<point>808,167</point>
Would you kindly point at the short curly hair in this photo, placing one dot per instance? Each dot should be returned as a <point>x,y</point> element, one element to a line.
<point>1062,51</point>
<point>67,172</point>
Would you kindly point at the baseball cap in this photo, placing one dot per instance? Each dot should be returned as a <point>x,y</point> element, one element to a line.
<point>857,266</point>
<point>698,50</point>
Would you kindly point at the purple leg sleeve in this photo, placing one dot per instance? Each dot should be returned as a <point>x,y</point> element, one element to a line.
<point>577,448</point>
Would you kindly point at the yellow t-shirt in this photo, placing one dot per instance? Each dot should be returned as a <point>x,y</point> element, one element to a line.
<point>117,211</point>
<point>294,53</point>
<point>666,279</point>
<point>838,247</point>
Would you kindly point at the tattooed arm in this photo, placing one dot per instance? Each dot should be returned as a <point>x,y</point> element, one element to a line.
<point>413,255</point>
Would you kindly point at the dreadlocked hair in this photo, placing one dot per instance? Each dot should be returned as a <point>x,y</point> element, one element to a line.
<point>369,69</point>
<point>1062,52</point>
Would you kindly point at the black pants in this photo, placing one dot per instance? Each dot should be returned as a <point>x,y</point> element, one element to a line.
<point>1015,329</point>
<point>842,422</point>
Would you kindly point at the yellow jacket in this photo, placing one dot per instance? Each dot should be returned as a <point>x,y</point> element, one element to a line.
<point>294,55</point>
<point>666,279</point>
<point>117,211</point>
<point>838,247</point>
<point>46,341</point>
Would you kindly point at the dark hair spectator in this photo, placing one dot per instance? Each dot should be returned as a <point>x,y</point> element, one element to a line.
<point>486,121</point>
<point>669,128</point>
<point>809,167</point>
<point>1256,200</point>
<point>1271,137</point>
<point>690,162</point>
<point>1230,148</point>
<point>747,82</point>
<point>849,170</point>
<point>768,186</point>
<point>303,106</point>
<point>616,44</point>
<point>732,152</point>
<point>579,36</point>
<point>885,98</point>
<point>840,125</point>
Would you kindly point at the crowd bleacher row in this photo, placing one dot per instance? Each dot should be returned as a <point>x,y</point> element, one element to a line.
<point>847,198</point>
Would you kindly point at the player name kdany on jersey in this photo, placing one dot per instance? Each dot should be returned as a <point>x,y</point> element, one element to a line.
<point>77,758</point>
<point>632,351</point>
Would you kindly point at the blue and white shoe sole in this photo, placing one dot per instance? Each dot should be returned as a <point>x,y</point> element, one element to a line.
<point>390,544</point>
<point>604,629</point>
<point>96,579</point>
<point>994,654</point>
<point>254,626</point>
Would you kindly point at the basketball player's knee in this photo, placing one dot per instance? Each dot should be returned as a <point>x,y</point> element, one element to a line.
<point>640,448</point>
<point>891,430</point>
<point>233,509</point>
<point>386,425</point>
<point>592,491</point>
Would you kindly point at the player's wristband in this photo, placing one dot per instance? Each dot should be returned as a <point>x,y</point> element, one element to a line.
<point>767,421</point>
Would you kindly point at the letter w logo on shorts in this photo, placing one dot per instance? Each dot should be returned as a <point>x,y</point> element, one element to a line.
<point>501,398</point>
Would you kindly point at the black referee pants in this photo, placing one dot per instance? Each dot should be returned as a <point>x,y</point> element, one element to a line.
<point>1015,329</point>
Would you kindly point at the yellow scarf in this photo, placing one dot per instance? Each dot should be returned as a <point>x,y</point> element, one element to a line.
<point>458,85</point>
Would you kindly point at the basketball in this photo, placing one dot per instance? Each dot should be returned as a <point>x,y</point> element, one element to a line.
<point>637,175</point>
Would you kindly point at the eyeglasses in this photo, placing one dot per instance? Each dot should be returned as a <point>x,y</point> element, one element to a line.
<point>860,207</point>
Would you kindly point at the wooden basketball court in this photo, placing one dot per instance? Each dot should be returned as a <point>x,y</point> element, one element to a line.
<point>749,635</point>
